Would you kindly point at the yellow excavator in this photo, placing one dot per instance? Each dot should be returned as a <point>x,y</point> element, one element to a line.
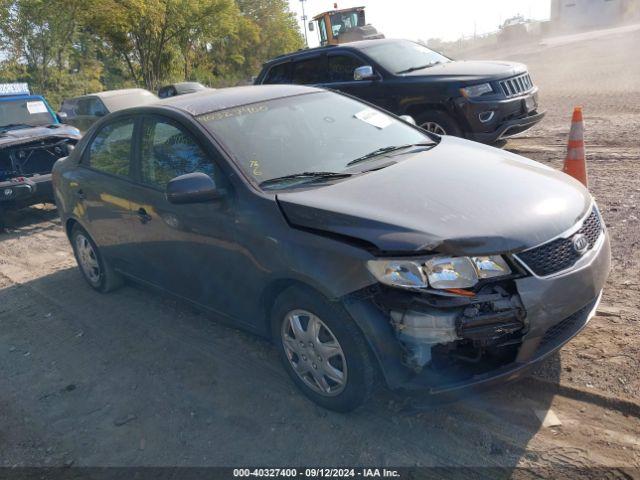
<point>343,26</point>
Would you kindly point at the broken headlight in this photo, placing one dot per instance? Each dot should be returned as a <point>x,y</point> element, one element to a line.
<point>438,272</point>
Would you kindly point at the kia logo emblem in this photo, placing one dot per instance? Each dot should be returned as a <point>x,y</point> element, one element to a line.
<point>580,243</point>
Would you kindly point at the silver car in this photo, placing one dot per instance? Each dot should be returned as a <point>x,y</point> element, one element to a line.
<point>84,111</point>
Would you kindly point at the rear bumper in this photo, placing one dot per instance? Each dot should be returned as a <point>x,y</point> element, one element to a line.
<point>27,191</point>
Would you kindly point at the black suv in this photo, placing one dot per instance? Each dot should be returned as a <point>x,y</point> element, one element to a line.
<point>480,100</point>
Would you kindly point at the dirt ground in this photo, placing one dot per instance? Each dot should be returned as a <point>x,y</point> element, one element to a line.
<point>133,378</point>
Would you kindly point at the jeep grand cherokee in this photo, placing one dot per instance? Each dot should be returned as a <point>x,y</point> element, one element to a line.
<point>479,100</point>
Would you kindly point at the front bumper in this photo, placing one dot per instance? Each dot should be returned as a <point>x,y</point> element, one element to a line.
<point>18,193</point>
<point>552,341</point>
<point>507,117</point>
<point>557,308</point>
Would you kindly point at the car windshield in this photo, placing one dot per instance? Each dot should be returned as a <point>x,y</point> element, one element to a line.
<point>317,134</point>
<point>24,113</point>
<point>403,56</point>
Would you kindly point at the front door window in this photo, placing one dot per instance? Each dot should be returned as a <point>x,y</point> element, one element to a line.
<point>168,152</point>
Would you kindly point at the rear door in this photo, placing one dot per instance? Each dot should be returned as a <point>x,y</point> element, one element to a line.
<point>189,250</point>
<point>101,189</point>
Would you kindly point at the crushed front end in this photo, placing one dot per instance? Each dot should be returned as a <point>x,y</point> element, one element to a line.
<point>25,169</point>
<point>448,340</point>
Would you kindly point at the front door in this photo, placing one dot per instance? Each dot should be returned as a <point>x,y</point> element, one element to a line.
<point>187,249</point>
<point>341,67</point>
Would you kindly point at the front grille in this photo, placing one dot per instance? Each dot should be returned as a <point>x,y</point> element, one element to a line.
<point>512,87</point>
<point>560,254</point>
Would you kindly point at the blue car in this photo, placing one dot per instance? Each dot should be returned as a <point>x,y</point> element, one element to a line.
<point>31,140</point>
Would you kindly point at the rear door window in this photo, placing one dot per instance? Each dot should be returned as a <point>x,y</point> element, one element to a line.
<point>110,149</point>
<point>97,108</point>
<point>310,71</point>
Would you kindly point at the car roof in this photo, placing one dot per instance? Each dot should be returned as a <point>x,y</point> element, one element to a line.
<point>21,97</point>
<point>358,45</point>
<point>120,99</point>
<point>207,101</point>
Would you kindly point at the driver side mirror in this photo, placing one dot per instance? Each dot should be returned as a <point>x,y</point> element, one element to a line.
<point>62,116</point>
<point>193,188</point>
<point>364,73</point>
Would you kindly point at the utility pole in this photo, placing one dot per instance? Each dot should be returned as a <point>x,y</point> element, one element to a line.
<point>304,23</point>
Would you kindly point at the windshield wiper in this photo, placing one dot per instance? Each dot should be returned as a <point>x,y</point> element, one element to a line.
<point>312,176</point>
<point>383,150</point>
<point>413,69</point>
<point>10,126</point>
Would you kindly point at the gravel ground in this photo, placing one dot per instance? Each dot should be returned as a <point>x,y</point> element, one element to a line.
<point>602,74</point>
<point>133,378</point>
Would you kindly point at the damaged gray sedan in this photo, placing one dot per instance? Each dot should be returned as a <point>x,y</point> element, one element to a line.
<point>367,249</point>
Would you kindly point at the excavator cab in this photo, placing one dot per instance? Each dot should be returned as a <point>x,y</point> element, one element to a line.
<point>343,26</point>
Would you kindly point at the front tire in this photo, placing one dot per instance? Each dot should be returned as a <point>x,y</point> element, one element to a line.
<point>322,350</point>
<point>438,122</point>
<point>96,271</point>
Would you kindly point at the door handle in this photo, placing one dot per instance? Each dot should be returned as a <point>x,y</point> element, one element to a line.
<point>143,216</point>
<point>80,194</point>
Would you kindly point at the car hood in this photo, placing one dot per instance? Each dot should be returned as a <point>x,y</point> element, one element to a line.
<point>22,135</point>
<point>460,197</point>
<point>472,70</point>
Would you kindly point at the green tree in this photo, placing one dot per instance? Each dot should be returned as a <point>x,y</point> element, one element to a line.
<point>149,34</point>
<point>65,48</point>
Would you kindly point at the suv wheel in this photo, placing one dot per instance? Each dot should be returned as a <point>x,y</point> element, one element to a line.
<point>95,270</point>
<point>439,123</point>
<point>322,350</point>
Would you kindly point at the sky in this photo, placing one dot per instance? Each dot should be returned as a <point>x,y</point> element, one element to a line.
<point>425,19</point>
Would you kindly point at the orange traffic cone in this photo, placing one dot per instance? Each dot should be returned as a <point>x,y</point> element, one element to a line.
<point>576,164</point>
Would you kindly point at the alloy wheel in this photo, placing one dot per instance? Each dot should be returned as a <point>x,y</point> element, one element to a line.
<point>314,352</point>
<point>434,127</point>
<point>88,259</point>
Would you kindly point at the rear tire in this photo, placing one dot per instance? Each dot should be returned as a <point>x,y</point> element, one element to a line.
<point>95,270</point>
<point>438,122</point>
<point>328,358</point>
